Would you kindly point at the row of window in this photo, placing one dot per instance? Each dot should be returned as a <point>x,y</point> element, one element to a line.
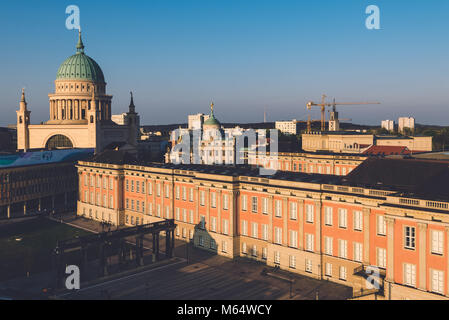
<point>99,182</point>
<point>292,261</point>
<point>436,278</point>
<point>213,245</point>
<point>342,274</point>
<point>437,243</point>
<point>278,208</point>
<point>437,240</point>
<point>320,169</point>
<point>213,200</point>
<point>96,199</point>
<point>343,218</point>
<point>97,216</point>
<point>184,193</point>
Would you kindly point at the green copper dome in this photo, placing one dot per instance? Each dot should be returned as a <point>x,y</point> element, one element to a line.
<point>80,67</point>
<point>212,121</point>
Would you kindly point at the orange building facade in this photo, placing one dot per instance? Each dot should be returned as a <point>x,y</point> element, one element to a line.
<point>309,224</point>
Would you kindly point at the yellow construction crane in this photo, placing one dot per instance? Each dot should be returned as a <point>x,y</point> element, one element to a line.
<point>334,105</point>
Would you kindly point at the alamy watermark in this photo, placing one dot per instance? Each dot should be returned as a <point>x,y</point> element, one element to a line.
<point>73,21</point>
<point>372,22</point>
<point>73,281</point>
<point>372,281</point>
<point>210,147</point>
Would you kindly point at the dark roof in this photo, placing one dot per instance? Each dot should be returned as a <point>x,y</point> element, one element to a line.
<point>420,178</point>
<point>119,157</point>
<point>393,138</point>
<point>123,157</point>
<point>387,150</point>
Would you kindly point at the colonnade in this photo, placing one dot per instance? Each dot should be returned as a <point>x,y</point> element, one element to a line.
<point>72,109</point>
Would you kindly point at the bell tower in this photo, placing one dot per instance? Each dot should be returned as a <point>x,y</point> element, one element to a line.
<point>23,122</point>
<point>93,125</point>
<point>133,123</point>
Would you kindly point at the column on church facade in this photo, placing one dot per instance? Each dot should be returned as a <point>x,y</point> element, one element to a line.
<point>70,110</point>
<point>51,109</point>
<point>59,109</point>
<point>64,108</point>
<point>76,107</point>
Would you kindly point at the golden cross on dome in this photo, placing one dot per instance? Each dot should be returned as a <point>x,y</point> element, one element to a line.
<point>212,105</point>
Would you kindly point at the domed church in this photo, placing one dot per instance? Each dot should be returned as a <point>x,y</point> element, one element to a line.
<point>80,111</point>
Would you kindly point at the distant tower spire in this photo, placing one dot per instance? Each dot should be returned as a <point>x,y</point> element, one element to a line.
<point>23,95</point>
<point>80,45</point>
<point>23,120</point>
<point>23,103</point>
<point>132,107</point>
<point>133,123</point>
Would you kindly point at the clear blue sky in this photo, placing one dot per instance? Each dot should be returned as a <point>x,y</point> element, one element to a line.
<point>245,55</point>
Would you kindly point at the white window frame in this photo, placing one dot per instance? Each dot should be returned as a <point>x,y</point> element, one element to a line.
<point>265,205</point>
<point>343,273</point>
<point>328,270</point>
<point>343,218</point>
<point>202,198</point>
<point>437,281</point>
<point>358,220</point>
<point>244,228</point>
<point>381,225</point>
<point>213,224</point>
<point>310,213</point>
<point>409,237</point>
<point>343,248</point>
<point>254,204</point>
<point>293,211</point>
<point>381,258</point>
<point>328,216</point>
<point>310,242</point>
<point>309,266</point>
<point>278,235</point>
<point>278,208</point>
<point>277,257</point>
<point>292,262</point>
<point>358,252</point>
<point>225,227</point>
<point>437,246</point>
<point>244,203</point>
<point>225,202</point>
<point>213,200</point>
<point>254,230</point>
<point>265,232</point>
<point>293,239</point>
<point>329,246</point>
<point>410,275</point>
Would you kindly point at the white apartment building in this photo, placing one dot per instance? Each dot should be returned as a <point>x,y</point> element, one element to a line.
<point>388,125</point>
<point>406,123</point>
<point>288,127</point>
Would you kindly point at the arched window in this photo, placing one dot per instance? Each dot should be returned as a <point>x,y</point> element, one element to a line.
<point>59,142</point>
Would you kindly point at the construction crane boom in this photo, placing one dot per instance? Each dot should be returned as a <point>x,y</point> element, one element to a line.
<point>334,105</point>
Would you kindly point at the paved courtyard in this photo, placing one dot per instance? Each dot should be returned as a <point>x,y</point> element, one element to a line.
<point>204,276</point>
